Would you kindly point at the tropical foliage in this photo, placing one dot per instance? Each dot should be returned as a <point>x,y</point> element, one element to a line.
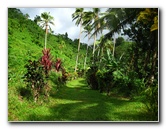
<point>113,76</point>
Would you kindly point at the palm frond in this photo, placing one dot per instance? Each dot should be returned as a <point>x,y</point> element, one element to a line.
<point>51,22</point>
<point>78,14</point>
<point>118,22</point>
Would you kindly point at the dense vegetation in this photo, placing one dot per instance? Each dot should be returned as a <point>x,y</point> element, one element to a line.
<point>61,75</point>
<point>25,45</point>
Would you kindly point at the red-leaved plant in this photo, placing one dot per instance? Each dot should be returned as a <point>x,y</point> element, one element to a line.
<point>46,61</point>
<point>58,64</point>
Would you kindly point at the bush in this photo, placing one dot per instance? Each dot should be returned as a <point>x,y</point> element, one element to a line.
<point>105,80</point>
<point>91,78</point>
<point>150,98</point>
<point>128,83</point>
<point>35,80</point>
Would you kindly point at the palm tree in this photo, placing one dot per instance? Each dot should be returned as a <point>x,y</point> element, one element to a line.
<point>37,19</point>
<point>92,17</point>
<point>46,19</point>
<point>78,16</point>
<point>96,17</point>
<point>116,19</point>
<point>87,29</point>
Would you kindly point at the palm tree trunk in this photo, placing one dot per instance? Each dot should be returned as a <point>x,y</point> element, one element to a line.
<point>78,47</point>
<point>46,36</point>
<point>154,62</point>
<point>86,52</point>
<point>98,53</point>
<point>100,56</point>
<point>94,49</point>
<point>102,52</point>
<point>114,47</point>
<point>86,56</point>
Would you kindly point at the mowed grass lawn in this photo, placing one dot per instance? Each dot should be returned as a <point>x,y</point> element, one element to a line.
<point>77,102</point>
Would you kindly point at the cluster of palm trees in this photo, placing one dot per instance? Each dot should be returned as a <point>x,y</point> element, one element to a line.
<point>85,19</point>
<point>94,22</point>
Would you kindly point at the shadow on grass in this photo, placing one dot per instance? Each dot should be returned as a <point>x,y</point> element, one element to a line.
<point>83,104</point>
<point>25,92</point>
<point>137,116</point>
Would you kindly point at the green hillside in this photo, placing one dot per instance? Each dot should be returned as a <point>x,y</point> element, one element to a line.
<point>26,42</point>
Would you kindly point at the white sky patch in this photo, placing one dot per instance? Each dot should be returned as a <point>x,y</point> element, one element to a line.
<point>73,32</point>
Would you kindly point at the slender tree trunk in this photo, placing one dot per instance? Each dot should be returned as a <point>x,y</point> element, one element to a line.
<point>101,56</point>
<point>98,53</point>
<point>86,52</point>
<point>78,48</point>
<point>147,59</point>
<point>46,36</point>
<point>93,53</point>
<point>114,46</point>
<point>154,58</point>
<point>86,57</point>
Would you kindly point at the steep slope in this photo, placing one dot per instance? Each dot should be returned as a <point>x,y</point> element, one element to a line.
<point>26,42</point>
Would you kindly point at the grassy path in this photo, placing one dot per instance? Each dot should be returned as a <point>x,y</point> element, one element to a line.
<point>76,102</point>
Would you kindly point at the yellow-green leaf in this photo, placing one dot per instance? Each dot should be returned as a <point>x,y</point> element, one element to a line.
<point>155,25</point>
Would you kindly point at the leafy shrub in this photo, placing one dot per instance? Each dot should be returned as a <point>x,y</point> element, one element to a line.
<point>128,83</point>
<point>34,79</point>
<point>72,75</point>
<point>150,98</point>
<point>91,78</point>
<point>64,77</point>
<point>80,72</point>
<point>105,80</point>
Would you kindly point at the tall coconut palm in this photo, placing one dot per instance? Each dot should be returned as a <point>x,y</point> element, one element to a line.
<point>92,17</point>
<point>87,29</point>
<point>96,17</point>
<point>116,19</point>
<point>78,16</point>
<point>99,46</point>
<point>46,19</point>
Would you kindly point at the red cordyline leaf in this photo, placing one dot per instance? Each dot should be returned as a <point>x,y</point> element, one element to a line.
<point>46,61</point>
<point>58,64</point>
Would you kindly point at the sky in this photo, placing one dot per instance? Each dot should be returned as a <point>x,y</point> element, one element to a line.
<point>62,20</point>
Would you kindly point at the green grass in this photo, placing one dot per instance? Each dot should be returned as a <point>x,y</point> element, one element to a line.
<point>76,102</point>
